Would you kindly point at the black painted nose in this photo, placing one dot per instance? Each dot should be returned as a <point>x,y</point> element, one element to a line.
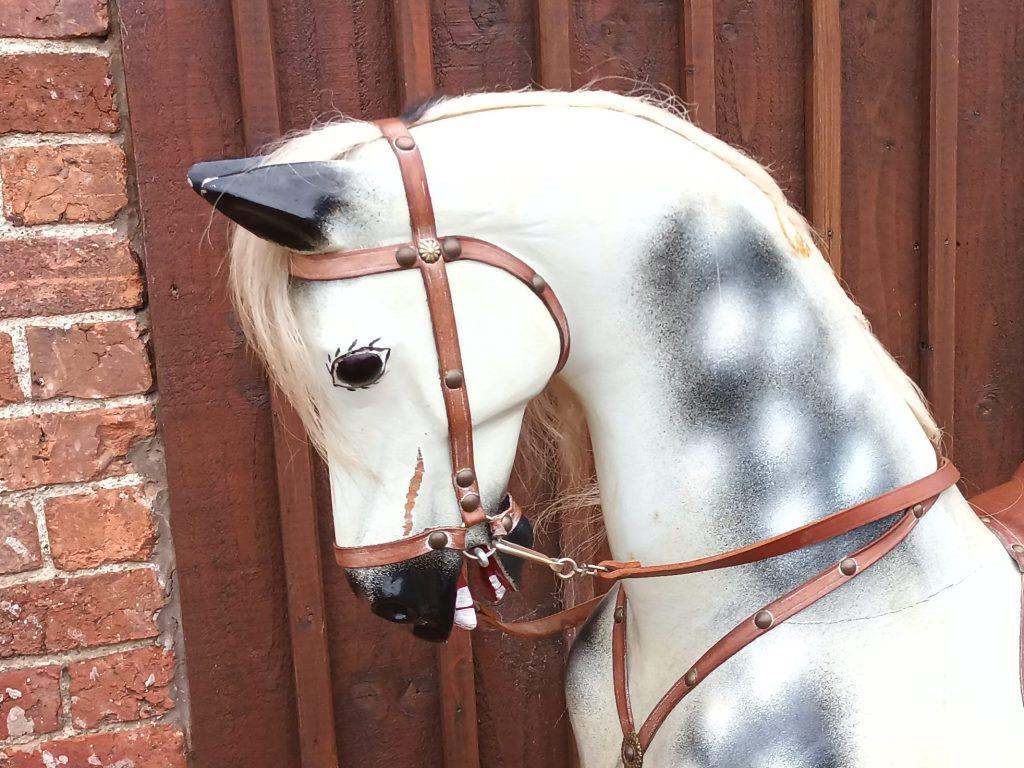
<point>419,592</point>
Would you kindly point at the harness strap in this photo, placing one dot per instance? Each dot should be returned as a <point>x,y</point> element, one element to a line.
<point>747,631</point>
<point>815,532</point>
<point>430,257</point>
<point>902,499</point>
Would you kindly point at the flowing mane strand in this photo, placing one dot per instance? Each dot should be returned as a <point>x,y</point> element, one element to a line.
<point>555,425</point>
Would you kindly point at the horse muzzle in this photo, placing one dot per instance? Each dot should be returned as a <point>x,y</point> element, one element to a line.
<point>419,592</point>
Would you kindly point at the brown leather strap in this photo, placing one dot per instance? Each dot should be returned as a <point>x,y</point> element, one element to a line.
<point>620,672</point>
<point>342,265</point>
<point>807,535</point>
<point>390,552</point>
<point>836,524</point>
<point>1001,509</point>
<point>430,256</point>
<point>761,622</point>
<point>547,626</point>
<point>442,316</point>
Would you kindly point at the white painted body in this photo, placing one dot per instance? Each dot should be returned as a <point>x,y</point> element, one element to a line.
<point>912,664</point>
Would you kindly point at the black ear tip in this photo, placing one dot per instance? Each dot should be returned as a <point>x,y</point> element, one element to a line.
<point>202,173</point>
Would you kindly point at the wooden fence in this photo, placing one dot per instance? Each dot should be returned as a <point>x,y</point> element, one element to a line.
<point>895,126</point>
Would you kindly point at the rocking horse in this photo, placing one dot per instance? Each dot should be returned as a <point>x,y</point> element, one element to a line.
<point>413,284</point>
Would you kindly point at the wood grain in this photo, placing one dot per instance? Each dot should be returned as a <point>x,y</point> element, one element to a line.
<point>760,74</point>
<point>300,542</point>
<point>181,80</point>
<point>623,45</point>
<point>480,46</point>
<point>824,128</point>
<point>554,44</point>
<point>884,122</point>
<point>293,459</point>
<point>939,289</point>
<point>988,426</point>
<point>414,50</point>
<point>697,51</point>
<point>458,701</point>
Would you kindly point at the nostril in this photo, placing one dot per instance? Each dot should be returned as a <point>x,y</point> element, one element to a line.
<point>392,610</point>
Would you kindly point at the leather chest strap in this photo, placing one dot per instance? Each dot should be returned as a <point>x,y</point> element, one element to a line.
<point>427,258</point>
<point>747,631</point>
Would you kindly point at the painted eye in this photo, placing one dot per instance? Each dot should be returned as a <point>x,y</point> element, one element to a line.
<point>358,368</point>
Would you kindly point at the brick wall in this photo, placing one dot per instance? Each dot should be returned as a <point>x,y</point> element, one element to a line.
<point>87,619</point>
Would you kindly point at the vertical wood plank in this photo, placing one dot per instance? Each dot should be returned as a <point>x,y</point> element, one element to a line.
<point>989,407</point>
<point>414,54</point>
<point>939,289</point>
<point>414,50</point>
<point>554,35</point>
<point>261,117</point>
<point>300,542</point>
<point>884,126</point>
<point>697,44</point>
<point>181,81</point>
<point>824,127</point>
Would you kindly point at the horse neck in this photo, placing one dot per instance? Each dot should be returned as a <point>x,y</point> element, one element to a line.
<point>728,403</point>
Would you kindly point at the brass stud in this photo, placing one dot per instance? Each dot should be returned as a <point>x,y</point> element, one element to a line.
<point>1018,548</point>
<point>620,614</point>
<point>465,478</point>
<point>430,249</point>
<point>632,753</point>
<point>918,510</point>
<point>848,566</point>
<point>452,248</point>
<point>538,283</point>
<point>469,502</point>
<point>405,256</point>
<point>690,678</point>
<point>506,522</point>
<point>453,379</point>
<point>437,540</point>
<point>405,142</point>
<point>764,619</point>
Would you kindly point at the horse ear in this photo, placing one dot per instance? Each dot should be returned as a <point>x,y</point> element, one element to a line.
<point>288,204</point>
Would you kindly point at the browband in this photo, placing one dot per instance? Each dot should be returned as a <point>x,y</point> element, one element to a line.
<point>426,253</point>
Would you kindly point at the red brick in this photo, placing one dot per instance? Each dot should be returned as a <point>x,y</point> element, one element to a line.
<point>159,746</point>
<point>53,18</point>
<point>71,183</point>
<point>57,92</point>
<point>125,686</point>
<point>55,276</point>
<point>29,701</point>
<point>19,540</point>
<point>109,526</point>
<point>70,447</point>
<point>60,614</point>
<point>10,391</point>
<point>89,360</point>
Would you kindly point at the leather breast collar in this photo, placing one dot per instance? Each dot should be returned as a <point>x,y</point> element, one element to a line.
<point>1001,509</point>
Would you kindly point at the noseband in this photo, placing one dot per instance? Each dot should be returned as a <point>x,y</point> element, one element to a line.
<point>430,255</point>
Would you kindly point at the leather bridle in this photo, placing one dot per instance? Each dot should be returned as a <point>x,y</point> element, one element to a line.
<point>430,255</point>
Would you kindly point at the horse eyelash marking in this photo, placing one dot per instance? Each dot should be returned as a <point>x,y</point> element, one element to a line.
<point>332,361</point>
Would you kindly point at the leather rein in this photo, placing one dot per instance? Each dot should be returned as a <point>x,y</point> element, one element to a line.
<point>430,255</point>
